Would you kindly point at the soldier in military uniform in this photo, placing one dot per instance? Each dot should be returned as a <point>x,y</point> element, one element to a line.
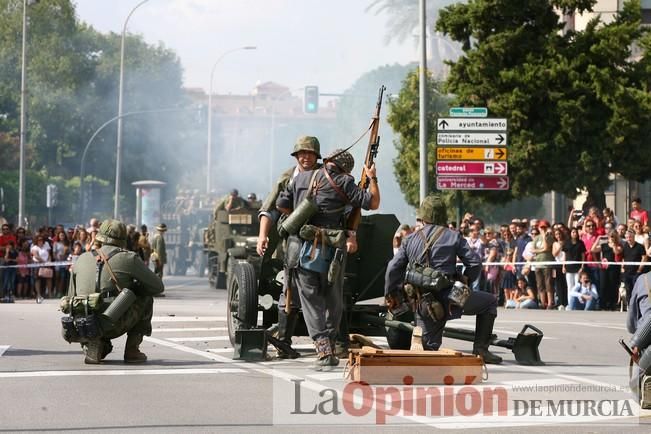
<point>307,151</point>
<point>88,277</point>
<point>638,322</point>
<point>159,252</point>
<point>232,202</point>
<point>433,308</point>
<point>332,189</point>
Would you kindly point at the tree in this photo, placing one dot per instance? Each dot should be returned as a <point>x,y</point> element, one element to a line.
<point>577,101</point>
<point>72,82</point>
<point>403,118</point>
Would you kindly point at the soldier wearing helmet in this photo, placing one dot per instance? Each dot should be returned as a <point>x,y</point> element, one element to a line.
<point>332,189</point>
<point>307,151</point>
<point>90,275</point>
<point>437,247</point>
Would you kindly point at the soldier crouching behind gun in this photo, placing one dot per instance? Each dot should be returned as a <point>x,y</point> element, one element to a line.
<point>307,151</point>
<point>426,262</point>
<point>117,280</point>
<point>316,246</point>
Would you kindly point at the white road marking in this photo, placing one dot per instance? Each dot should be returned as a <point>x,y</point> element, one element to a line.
<point>327,376</point>
<point>199,339</point>
<point>190,329</point>
<point>118,372</point>
<point>4,348</point>
<point>194,351</point>
<point>220,350</point>
<point>187,318</point>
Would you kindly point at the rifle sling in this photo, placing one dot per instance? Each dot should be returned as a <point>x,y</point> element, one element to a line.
<point>433,238</point>
<point>339,191</point>
<point>105,259</point>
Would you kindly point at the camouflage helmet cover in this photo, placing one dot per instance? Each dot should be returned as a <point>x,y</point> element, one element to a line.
<point>433,210</point>
<point>307,143</point>
<point>343,159</point>
<point>112,232</point>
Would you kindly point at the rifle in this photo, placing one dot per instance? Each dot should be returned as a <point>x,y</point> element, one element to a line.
<point>371,152</point>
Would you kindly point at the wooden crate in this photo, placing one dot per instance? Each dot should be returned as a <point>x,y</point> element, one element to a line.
<point>442,367</point>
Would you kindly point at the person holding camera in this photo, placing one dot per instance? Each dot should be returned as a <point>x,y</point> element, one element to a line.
<point>542,249</point>
<point>584,294</point>
<point>96,272</point>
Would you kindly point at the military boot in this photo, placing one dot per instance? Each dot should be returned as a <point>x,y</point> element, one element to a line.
<point>107,347</point>
<point>483,331</point>
<point>132,353</point>
<point>326,360</point>
<point>339,348</point>
<point>286,326</point>
<point>93,350</point>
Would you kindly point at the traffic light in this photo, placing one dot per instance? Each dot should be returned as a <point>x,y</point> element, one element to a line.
<point>311,99</point>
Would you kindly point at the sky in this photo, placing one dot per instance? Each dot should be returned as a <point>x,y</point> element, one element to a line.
<point>299,42</point>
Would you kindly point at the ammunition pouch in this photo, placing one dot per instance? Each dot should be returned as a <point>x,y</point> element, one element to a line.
<point>331,237</point>
<point>82,323</point>
<point>426,278</point>
<point>434,308</point>
<point>301,215</point>
<point>80,304</point>
<point>334,271</point>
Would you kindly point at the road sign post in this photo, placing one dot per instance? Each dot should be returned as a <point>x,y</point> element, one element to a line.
<point>471,151</point>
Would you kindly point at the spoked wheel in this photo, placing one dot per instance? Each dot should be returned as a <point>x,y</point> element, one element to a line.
<point>242,307</point>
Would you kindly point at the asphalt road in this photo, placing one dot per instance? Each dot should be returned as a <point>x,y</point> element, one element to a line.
<point>191,383</point>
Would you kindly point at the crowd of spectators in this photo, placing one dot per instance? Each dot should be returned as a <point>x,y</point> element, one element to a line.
<point>591,262</point>
<point>22,253</point>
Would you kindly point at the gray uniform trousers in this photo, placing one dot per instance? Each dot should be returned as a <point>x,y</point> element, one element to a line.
<point>478,303</point>
<point>322,304</point>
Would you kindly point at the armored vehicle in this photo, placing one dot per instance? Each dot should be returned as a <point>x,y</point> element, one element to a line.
<point>183,238</point>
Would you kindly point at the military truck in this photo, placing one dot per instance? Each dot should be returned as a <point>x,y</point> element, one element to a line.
<point>183,239</point>
<point>230,235</point>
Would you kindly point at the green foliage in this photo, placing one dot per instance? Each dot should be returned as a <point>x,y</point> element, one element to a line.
<point>403,118</point>
<point>577,102</point>
<point>72,80</point>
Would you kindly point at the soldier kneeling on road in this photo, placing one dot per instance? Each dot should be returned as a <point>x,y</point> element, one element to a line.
<point>110,294</point>
<point>426,265</point>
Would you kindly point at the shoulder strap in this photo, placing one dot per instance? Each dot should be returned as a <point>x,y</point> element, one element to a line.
<point>339,191</point>
<point>433,238</point>
<point>313,185</point>
<point>105,259</point>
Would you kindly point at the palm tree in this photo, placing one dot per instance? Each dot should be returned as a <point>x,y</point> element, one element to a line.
<point>404,19</point>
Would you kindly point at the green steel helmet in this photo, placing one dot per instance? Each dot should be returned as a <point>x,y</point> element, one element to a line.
<point>433,210</point>
<point>307,143</point>
<point>343,159</point>
<point>112,232</point>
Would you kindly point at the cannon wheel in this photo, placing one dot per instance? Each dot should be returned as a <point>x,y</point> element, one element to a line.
<point>242,299</point>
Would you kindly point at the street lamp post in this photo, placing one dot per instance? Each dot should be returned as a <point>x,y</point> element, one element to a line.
<point>422,134</point>
<point>209,144</point>
<point>23,91</point>
<point>118,158</point>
